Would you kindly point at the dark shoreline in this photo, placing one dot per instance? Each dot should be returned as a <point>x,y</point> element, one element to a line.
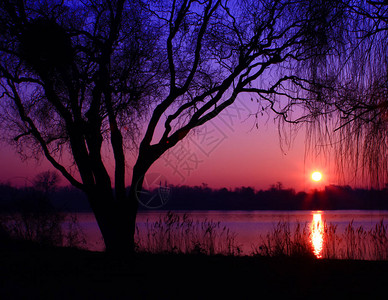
<point>65,273</point>
<point>69,199</point>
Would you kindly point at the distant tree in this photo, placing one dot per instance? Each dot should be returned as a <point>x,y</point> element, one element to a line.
<point>46,182</point>
<point>36,218</point>
<point>279,186</point>
<point>79,76</point>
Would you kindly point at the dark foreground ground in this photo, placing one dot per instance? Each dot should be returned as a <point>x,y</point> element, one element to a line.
<point>32,273</point>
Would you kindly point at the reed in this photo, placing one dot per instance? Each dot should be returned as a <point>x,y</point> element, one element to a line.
<point>173,233</point>
<point>331,241</point>
<point>45,229</point>
<point>379,235</point>
<point>354,243</point>
<point>282,241</point>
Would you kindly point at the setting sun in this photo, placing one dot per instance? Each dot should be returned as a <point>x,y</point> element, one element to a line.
<point>316,176</point>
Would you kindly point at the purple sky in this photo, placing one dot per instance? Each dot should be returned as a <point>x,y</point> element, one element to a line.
<point>227,152</point>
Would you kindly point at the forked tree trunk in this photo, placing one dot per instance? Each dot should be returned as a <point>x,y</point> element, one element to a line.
<point>117,222</point>
<point>117,219</point>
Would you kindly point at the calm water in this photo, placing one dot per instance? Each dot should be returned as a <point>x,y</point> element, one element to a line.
<point>249,225</point>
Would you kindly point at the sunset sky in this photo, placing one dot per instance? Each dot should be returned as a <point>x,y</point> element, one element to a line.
<point>231,152</point>
<point>227,152</point>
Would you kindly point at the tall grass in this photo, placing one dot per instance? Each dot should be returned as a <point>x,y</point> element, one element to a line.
<point>353,243</point>
<point>331,241</point>
<point>43,228</point>
<point>181,234</point>
<point>175,233</point>
<point>365,244</point>
<point>283,241</point>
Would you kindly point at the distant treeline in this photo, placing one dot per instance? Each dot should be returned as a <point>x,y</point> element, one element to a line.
<point>30,198</point>
<point>204,198</point>
<point>275,198</point>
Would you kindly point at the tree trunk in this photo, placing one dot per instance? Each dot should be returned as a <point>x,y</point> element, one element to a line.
<point>116,216</point>
<point>117,223</point>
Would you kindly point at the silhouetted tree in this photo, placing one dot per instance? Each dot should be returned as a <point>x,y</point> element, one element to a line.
<point>46,182</point>
<point>80,75</point>
<point>354,99</point>
<point>36,218</point>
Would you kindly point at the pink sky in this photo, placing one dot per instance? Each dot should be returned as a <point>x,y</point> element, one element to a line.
<point>226,152</point>
<point>236,156</point>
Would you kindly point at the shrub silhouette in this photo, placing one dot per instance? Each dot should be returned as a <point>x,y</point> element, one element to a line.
<point>36,220</point>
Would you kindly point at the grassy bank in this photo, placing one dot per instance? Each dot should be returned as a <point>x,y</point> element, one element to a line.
<point>64,273</point>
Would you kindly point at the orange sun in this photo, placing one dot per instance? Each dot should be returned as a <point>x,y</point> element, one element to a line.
<point>316,176</point>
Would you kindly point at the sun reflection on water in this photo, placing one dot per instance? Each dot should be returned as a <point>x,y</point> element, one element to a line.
<point>317,232</point>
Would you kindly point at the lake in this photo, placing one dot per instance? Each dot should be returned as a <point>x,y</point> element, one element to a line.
<point>251,228</point>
